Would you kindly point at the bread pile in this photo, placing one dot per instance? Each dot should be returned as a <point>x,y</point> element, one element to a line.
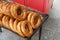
<point>18,19</point>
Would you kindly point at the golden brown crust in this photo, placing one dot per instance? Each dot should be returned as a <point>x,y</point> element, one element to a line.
<point>34,19</point>
<point>3,21</point>
<point>26,28</point>
<point>1,15</point>
<point>19,29</point>
<point>13,10</point>
<point>35,24</point>
<point>29,16</point>
<point>11,24</point>
<point>16,18</point>
<point>15,25</point>
<point>18,12</point>
<point>7,22</point>
<point>0,22</point>
<point>5,9</point>
<point>23,28</point>
<point>1,7</point>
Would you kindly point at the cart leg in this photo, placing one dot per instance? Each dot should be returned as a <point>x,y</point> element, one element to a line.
<point>40,30</point>
<point>0,29</point>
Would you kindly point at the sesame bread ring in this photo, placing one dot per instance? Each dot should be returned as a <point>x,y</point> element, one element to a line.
<point>18,12</point>
<point>6,9</point>
<point>19,30</point>
<point>26,28</point>
<point>35,20</point>
<point>5,22</point>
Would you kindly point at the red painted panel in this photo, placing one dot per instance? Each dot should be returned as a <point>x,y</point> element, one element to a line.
<point>40,5</point>
<point>19,1</point>
<point>47,5</point>
<point>35,4</point>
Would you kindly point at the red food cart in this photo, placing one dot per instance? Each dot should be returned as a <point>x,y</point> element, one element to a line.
<point>40,5</point>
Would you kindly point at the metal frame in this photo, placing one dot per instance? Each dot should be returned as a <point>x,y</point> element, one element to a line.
<point>0,29</point>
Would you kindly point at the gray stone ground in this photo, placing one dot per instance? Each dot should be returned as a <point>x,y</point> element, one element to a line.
<point>50,31</point>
